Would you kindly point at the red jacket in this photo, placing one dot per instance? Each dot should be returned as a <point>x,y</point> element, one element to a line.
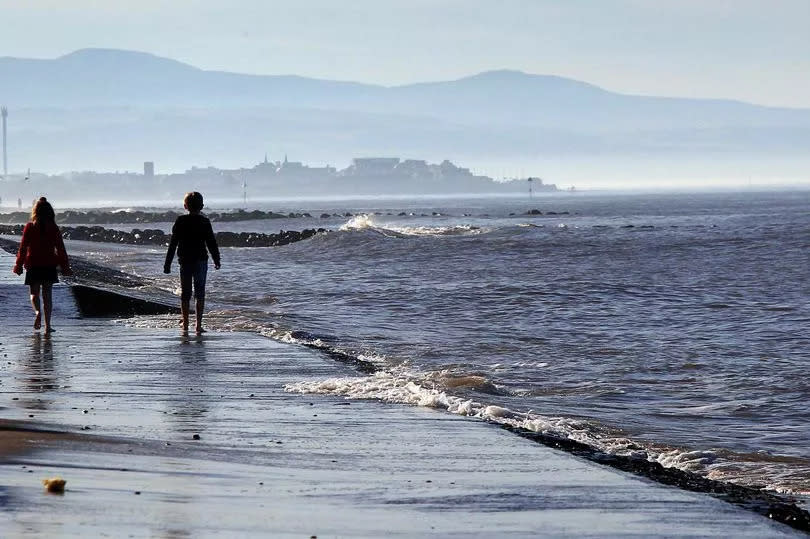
<point>42,247</point>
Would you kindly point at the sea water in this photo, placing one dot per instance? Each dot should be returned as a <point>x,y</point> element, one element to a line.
<point>673,327</point>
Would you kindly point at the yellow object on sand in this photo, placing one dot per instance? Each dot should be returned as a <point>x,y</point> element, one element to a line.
<point>54,484</point>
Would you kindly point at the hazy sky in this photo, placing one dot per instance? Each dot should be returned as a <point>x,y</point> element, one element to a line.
<point>752,50</point>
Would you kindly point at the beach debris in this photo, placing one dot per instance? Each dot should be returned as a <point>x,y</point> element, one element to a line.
<point>55,485</point>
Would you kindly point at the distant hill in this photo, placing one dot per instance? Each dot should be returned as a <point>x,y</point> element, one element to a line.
<point>111,106</point>
<point>103,77</point>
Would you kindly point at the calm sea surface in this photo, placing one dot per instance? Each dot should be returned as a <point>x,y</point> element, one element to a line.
<point>673,326</point>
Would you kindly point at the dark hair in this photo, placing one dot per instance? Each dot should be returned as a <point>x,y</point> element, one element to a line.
<point>193,201</point>
<point>42,212</point>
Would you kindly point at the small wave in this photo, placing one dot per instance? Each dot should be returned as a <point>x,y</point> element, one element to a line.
<point>358,222</point>
<point>405,387</point>
<point>366,222</point>
<point>402,386</point>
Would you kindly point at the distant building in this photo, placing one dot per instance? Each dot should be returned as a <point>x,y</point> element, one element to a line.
<point>148,169</point>
<point>414,168</point>
<point>449,169</point>
<point>365,166</point>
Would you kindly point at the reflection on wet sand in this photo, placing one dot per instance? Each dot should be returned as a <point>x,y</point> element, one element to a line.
<point>187,408</point>
<point>39,373</point>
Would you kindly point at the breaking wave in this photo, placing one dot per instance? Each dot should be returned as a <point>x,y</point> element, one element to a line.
<point>366,222</point>
<point>404,386</point>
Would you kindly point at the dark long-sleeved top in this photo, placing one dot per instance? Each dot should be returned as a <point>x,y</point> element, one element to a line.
<point>41,245</point>
<point>191,234</point>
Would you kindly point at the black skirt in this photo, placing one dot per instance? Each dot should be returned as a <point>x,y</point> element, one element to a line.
<point>41,275</point>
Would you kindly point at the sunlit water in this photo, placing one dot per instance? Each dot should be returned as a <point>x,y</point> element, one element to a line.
<point>668,326</point>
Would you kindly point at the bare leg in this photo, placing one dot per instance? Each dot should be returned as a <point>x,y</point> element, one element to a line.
<point>35,304</point>
<point>47,305</point>
<point>199,306</point>
<point>184,311</point>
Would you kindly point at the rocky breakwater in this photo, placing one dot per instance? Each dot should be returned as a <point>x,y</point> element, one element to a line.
<point>158,237</point>
<point>138,216</point>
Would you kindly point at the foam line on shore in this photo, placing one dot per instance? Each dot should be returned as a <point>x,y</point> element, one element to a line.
<point>571,436</point>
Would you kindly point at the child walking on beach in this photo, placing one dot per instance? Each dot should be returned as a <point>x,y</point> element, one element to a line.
<point>191,234</point>
<point>41,251</point>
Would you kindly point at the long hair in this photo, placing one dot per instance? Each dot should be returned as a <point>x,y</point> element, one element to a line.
<point>42,213</point>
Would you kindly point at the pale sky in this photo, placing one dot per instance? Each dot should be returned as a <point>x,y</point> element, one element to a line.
<point>751,50</point>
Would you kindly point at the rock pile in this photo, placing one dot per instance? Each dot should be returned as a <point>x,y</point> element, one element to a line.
<point>158,237</point>
<point>138,216</point>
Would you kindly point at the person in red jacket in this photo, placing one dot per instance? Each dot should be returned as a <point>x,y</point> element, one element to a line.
<point>41,251</point>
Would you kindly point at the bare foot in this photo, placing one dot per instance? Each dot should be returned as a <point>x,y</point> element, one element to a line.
<point>200,330</point>
<point>38,320</point>
<point>49,330</point>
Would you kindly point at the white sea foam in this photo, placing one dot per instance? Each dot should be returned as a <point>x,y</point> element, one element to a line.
<point>366,222</point>
<point>405,387</point>
<point>457,230</point>
<point>358,222</point>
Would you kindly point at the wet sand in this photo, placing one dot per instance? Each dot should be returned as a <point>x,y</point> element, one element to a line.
<point>122,406</point>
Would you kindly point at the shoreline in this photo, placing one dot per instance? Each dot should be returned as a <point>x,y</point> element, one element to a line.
<point>323,466</point>
<point>140,348</point>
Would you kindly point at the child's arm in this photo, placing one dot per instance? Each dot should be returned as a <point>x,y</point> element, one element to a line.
<point>22,252</point>
<point>61,252</point>
<point>167,265</point>
<point>211,242</point>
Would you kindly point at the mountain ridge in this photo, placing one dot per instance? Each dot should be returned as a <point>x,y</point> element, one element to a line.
<point>123,58</point>
<point>116,107</point>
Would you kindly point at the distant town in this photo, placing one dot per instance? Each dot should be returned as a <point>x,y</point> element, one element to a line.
<point>370,176</point>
